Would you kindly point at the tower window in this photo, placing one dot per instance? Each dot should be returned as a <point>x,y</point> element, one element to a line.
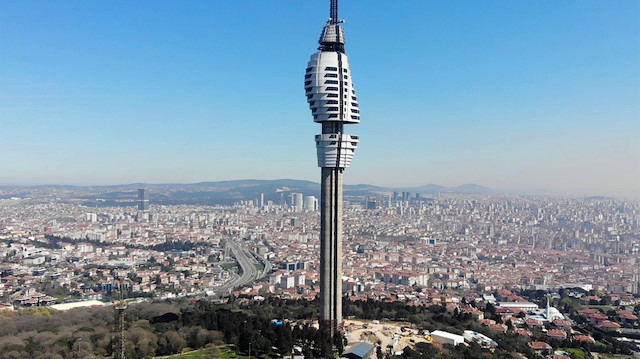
<point>331,68</point>
<point>353,117</point>
<point>332,109</point>
<point>332,95</point>
<point>332,82</point>
<point>331,75</point>
<point>307,82</point>
<point>307,76</point>
<point>309,69</point>
<point>354,110</point>
<point>333,116</point>
<point>354,104</point>
<point>332,89</point>
<point>332,102</point>
<point>307,89</point>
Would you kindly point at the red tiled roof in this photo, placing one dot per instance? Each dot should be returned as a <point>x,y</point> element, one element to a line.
<point>539,345</point>
<point>609,325</point>
<point>584,338</point>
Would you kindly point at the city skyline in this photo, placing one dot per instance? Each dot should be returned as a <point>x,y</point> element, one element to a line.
<point>510,96</point>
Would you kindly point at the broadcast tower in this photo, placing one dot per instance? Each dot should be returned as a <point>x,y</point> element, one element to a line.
<point>333,102</point>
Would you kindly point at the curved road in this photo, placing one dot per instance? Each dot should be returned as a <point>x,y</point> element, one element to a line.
<point>247,262</point>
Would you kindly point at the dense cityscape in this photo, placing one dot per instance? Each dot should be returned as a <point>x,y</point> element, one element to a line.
<point>111,114</point>
<point>422,250</point>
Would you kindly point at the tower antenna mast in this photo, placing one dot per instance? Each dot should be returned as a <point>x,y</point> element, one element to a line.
<point>334,13</point>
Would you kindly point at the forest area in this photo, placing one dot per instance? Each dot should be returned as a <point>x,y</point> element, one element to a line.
<point>270,328</point>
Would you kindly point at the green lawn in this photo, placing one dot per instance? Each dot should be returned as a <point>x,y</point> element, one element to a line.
<point>229,266</point>
<point>196,354</point>
<point>226,353</point>
<point>223,352</point>
<point>577,352</point>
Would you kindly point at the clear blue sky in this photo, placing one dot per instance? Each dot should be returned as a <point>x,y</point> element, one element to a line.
<point>507,94</point>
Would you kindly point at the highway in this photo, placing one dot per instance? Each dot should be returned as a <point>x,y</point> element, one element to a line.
<point>247,261</point>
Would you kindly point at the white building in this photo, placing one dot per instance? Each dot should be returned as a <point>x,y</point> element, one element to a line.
<point>297,202</point>
<point>447,338</point>
<point>310,204</point>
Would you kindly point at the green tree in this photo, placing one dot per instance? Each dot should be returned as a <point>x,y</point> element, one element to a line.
<point>170,343</point>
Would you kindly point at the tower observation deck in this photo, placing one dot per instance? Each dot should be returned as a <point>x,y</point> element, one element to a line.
<point>333,102</point>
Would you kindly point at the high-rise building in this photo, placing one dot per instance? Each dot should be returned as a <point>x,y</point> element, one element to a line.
<point>332,98</point>
<point>297,201</point>
<point>143,199</point>
<point>310,203</point>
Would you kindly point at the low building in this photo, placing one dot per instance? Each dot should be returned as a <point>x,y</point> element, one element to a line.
<point>539,346</point>
<point>442,337</point>
<point>362,350</point>
<point>483,340</point>
<point>521,306</point>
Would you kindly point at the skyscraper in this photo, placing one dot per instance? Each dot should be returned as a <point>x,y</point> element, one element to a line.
<point>143,199</point>
<point>297,202</point>
<point>310,203</point>
<point>331,96</point>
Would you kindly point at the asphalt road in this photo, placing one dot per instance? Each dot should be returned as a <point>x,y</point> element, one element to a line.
<point>247,262</point>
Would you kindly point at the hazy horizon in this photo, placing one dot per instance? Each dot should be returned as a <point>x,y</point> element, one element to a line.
<point>515,96</point>
<point>497,191</point>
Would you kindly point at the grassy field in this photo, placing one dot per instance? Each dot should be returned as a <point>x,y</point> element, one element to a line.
<point>604,308</point>
<point>196,354</point>
<point>226,353</point>
<point>230,266</point>
<point>577,352</point>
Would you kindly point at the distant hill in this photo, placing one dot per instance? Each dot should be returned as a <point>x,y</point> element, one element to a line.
<point>599,198</point>
<point>220,192</point>
<point>463,189</point>
<point>472,189</point>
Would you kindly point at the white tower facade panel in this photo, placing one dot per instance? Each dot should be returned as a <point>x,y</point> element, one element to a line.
<point>335,150</point>
<point>329,88</point>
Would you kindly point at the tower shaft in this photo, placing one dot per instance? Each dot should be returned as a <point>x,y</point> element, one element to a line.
<point>331,249</point>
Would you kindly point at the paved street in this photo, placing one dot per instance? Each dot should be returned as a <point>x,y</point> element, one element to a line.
<point>248,264</point>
